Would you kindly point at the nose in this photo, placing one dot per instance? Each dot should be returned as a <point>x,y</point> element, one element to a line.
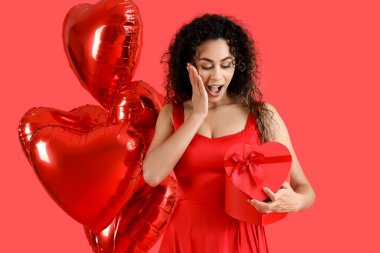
<point>216,74</point>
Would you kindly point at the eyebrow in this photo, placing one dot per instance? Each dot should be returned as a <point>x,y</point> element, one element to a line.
<point>209,60</point>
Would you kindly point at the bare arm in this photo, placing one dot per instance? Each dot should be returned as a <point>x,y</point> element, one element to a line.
<point>297,196</point>
<point>167,148</point>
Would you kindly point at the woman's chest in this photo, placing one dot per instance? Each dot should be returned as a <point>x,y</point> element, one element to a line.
<point>224,122</point>
<point>207,154</point>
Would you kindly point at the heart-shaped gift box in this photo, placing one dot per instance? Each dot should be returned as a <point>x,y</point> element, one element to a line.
<point>249,169</point>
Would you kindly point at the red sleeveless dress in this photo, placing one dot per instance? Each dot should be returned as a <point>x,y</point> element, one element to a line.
<point>199,223</point>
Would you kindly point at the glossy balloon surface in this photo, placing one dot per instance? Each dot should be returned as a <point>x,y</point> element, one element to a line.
<point>89,159</point>
<point>138,104</point>
<point>89,175</point>
<point>102,42</point>
<point>81,119</point>
<point>140,223</point>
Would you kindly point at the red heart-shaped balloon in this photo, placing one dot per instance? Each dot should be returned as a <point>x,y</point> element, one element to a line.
<point>136,106</point>
<point>137,103</point>
<point>140,223</point>
<point>82,119</point>
<point>251,168</point>
<point>102,42</point>
<point>90,175</point>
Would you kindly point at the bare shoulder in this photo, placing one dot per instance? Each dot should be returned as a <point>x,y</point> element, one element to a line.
<point>276,126</point>
<point>166,113</point>
<point>164,127</point>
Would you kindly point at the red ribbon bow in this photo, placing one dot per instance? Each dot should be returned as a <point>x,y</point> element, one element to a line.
<point>251,163</point>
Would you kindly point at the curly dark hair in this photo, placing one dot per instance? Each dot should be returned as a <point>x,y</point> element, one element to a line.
<point>245,81</point>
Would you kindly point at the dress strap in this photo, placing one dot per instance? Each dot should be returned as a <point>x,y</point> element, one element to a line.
<point>250,120</point>
<point>251,130</point>
<point>178,115</point>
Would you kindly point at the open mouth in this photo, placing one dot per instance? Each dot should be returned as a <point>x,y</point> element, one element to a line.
<point>214,90</point>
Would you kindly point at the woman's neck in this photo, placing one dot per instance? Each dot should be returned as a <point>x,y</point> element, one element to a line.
<point>227,99</point>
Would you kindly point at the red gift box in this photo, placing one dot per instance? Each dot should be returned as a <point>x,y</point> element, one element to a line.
<point>249,169</point>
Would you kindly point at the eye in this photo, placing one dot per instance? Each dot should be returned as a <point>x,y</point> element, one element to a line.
<point>226,66</point>
<point>206,67</point>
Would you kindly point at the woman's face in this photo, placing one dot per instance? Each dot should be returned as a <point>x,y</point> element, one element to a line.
<point>215,66</point>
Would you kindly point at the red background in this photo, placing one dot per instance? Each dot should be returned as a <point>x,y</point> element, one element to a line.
<point>319,69</point>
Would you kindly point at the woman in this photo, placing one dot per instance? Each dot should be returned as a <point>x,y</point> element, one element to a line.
<point>212,103</point>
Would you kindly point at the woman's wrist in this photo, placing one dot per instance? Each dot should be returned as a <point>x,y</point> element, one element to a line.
<point>198,116</point>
